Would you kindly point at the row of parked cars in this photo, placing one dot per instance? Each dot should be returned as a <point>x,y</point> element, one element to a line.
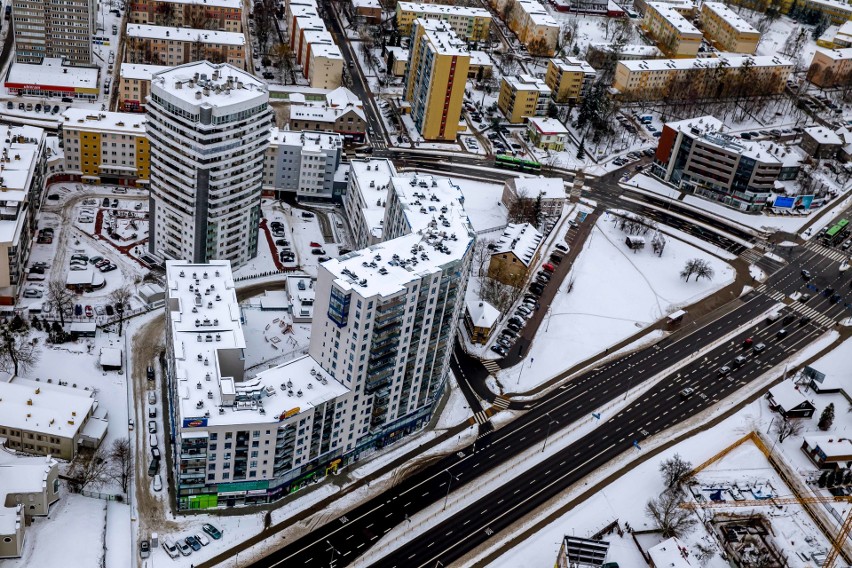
<point>184,546</point>
<point>29,107</point>
<point>80,261</point>
<point>529,304</point>
<point>285,254</point>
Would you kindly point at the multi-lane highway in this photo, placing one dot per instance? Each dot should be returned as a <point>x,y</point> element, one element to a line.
<point>350,536</point>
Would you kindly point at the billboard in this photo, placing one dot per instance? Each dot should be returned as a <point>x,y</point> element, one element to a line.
<point>194,422</point>
<point>797,202</point>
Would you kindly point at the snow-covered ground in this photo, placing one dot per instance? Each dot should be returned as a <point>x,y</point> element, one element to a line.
<point>616,293</point>
<point>482,203</point>
<point>624,499</point>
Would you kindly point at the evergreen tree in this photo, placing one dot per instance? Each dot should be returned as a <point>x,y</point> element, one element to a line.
<point>827,418</point>
<point>581,150</point>
<point>822,479</point>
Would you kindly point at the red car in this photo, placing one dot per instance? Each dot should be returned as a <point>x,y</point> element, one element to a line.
<point>549,267</point>
<point>89,312</point>
<point>315,245</point>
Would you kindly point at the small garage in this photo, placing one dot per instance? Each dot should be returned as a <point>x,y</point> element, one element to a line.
<point>110,359</point>
<point>82,329</point>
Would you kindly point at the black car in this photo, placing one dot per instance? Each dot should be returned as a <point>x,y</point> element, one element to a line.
<point>105,202</point>
<point>10,105</point>
<point>513,327</point>
<point>499,350</point>
<point>282,242</point>
<point>806,274</point>
<point>193,543</point>
<point>109,310</point>
<point>276,224</point>
<point>150,373</point>
<point>516,321</point>
<point>536,288</point>
<point>318,251</point>
<point>153,467</point>
<point>268,75</point>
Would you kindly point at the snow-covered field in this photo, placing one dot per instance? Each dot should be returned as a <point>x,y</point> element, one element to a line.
<point>616,293</point>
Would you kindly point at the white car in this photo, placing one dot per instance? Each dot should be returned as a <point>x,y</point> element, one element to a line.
<point>152,397</point>
<point>202,539</point>
<point>158,483</point>
<point>170,548</point>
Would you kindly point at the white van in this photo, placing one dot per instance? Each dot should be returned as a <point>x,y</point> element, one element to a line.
<point>152,440</point>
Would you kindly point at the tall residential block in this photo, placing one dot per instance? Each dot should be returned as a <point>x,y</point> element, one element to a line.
<point>471,24</point>
<point>569,79</point>
<point>674,34</point>
<point>522,96</point>
<point>435,79</point>
<point>105,147</point>
<point>302,163</point>
<point>54,29</point>
<point>222,15</point>
<point>208,128</point>
<point>727,30</point>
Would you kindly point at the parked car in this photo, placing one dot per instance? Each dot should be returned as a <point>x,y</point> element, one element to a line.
<point>152,426</point>
<point>499,350</point>
<point>155,453</point>
<point>548,267</point>
<point>203,540</point>
<point>193,543</point>
<point>144,548</point>
<point>282,242</point>
<point>158,483</point>
<point>315,244</point>
<point>318,251</point>
<point>212,531</point>
<point>90,312</point>
<point>109,310</point>
<point>153,467</point>
<point>183,548</point>
<point>130,424</point>
<point>170,548</point>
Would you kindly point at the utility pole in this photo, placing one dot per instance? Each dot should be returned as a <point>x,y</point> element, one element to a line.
<point>449,484</point>
<point>550,421</point>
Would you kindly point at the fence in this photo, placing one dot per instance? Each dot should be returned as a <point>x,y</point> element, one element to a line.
<point>105,496</point>
<point>268,273</point>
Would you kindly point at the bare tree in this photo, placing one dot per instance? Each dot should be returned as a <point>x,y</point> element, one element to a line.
<point>786,428</point>
<point>121,456</point>
<point>501,296</point>
<point>675,471</point>
<point>89,469</point>
<point>482,254</point>
<point>665,511</point>
<point>61,298</point>
<point>18,350</point>
<point>701,268</point>
<point>121,298</point>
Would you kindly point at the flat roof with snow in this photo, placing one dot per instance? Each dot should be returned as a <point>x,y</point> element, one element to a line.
<point>823,135</point>
<point>547,125</point>
<point>372,178</point>
<point>730,17</point>
<point>548,188</point>
<point>438,9</point>
<point>731,61</point>
<point>25,475</point>
<point>670,553</point>
<point>710,130</point>
<point>51,73</point>
<point>527,83</point>
<point>220,84</point>
<point>568,64</point>
<point>140,72</point>
<point>46,408</point>
<point>169,33</point>
<point>309,140</point>
<point>674,18</point>
<point>442,37</point>
<point>114,122</point>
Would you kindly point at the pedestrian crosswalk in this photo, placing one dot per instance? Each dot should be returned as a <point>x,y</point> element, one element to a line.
<point>825,251</point>
<point>751,255</point>
<point>501,403</point>
<point>491,366</point>
<point>481,417</point>
<point>798,307</point>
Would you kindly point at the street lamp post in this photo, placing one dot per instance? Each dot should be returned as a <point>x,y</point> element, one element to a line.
<point>550,421</point>
<point>449,484</point>
<point>333,550</point>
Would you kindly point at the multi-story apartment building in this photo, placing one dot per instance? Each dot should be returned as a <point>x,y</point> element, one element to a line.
<point>105,147</point>
<point>727,30</point>
<point>171,46</point>
<point>208,129</point>
<point>365,199</point>
<point>337,111</point>
<point>830,67</point>
<point>244,439</point>
<point>302,163</point>
<point>222,15</point>
<point>674,34</point>
<point>653,79</point>
<point>599,54</point>
<point>569,79</point>
<point>515,255</point>
<point>54,29</point>
<point>28,487</point>
<point>313,45</point>
<point>324,66</point>
<point>836,37</point>
<point>46,419</point>
<point>471,24</point>
<point>435,79</point>
<point>535,27</point>
<point>697,157</point>
<point>522,96</point>
<point>23,159</point>
<point>135,85</point>
<point>837,11</point>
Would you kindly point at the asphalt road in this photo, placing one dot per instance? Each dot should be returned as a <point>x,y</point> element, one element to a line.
<point>350,535</point>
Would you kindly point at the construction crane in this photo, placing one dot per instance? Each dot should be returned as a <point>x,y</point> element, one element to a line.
<point>836,543</point>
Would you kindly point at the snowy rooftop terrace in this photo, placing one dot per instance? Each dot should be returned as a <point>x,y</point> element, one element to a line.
<point>442,37</point>
<point>114,122</point>
<point>372,177</point>
<point>521,239</point>
<point>731,17</point>
<point>218,84</point>
<point>441,233</point>
<point>43,407</point>
<point>185,34</point>
<point>140,72</point>
<point>710,130</point>
<point>309,140</point>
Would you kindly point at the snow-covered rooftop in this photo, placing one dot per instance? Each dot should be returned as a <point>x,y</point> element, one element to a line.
<point>308,140</point>
<point>482,314</point>
<point>731,61</point>
<point>25,474</point>
<point>831,445</point>
<point>567,64</point>
<point>296,385</point>
<point>823,135</point>
<point>329,51</point>
<point>141,72</point>
<point>648,51</point>
<point>787,395</point>
<point>836,54</point>
<point>439,9</point>
<point>52,73</point>
<point>440,234</point>
<point>115,122</point>
<point>366,4</point>
<point>675,18</point>
<point>537,13</point>
<point>710,130</point>
<point>670,553</point>
<point>18,159</point>
<point>218,84</point>
<point>234,4</point>
<point>372,178</point>
<point>43,407</point>
<point>548,188</point>
<point>730,17</point>
<point>527,83</point>
<point>185,34</point>
<point>442,37</point>
<point>521,239</point>
<point>547,125</point>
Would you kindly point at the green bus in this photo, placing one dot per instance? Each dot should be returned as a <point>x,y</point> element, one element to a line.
<point>837,232</point>
<point>518,164</point>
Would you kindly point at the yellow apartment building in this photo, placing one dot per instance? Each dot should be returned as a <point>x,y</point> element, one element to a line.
<point>221,15</point>
<point>135,85</point>
<point>435,79</point>
<point>727,30</point>
<point>106,147</point>
<point>569,79</point>
<point>471,24</point>
<point>674,34</point>
<point>830,67</point>
<point>522,96</point>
